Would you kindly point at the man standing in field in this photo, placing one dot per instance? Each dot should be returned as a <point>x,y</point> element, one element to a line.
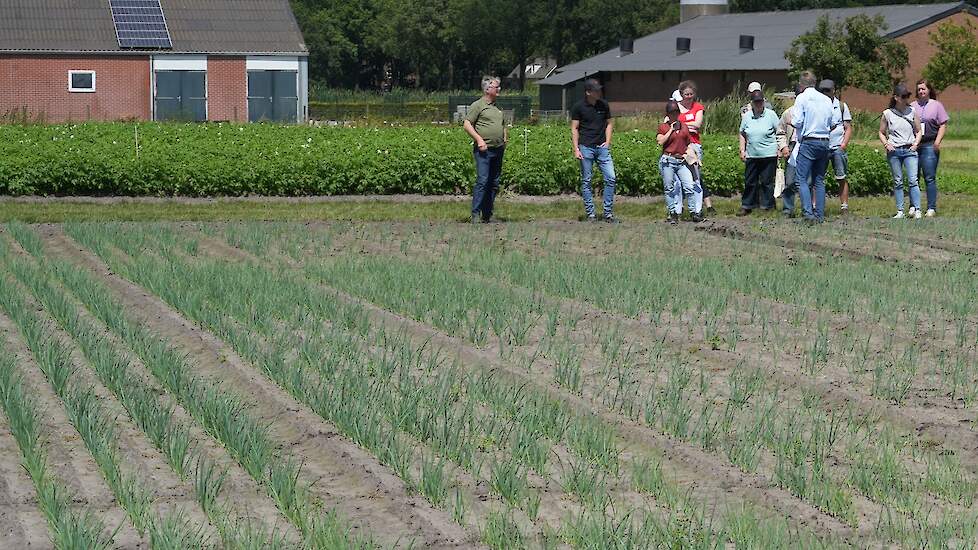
<point>591,127</point>
<point>813,120</point>
<point>484,123</point>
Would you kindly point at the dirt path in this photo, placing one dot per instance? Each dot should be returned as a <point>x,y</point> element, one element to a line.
<point>346,477</point>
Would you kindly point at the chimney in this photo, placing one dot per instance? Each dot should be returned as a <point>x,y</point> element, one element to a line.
<point>746,43</point>
<point>626,46</point>
<point>682,45</point>
<point>691,9</point>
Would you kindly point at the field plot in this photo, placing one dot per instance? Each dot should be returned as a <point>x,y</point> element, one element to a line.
<point>749,384</point>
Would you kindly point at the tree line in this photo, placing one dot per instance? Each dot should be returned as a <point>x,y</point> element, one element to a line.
<point>450,44</point>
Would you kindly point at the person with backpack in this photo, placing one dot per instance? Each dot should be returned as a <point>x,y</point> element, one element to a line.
<point>900,135</point>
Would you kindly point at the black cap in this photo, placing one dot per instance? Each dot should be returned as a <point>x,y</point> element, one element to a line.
<point>592,85</point>
<point>757,95</point>
<point>826,86</point>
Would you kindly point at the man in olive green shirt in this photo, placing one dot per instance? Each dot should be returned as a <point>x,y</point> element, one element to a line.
<point>484,123</point>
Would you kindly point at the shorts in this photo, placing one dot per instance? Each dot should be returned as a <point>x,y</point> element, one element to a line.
<point>840,162</point>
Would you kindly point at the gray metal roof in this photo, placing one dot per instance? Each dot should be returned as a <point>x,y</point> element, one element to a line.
<point>715,40</point>
<point>196,26</point>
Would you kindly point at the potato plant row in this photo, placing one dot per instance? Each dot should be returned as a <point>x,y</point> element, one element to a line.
<point>150,159</point>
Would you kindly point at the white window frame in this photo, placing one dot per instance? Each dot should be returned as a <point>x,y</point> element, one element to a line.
<point>81,90</point>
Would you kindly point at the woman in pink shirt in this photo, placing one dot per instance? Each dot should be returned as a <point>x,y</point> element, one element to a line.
<point>933,119</point>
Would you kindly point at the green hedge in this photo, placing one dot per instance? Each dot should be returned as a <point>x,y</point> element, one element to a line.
<point>232,160</point>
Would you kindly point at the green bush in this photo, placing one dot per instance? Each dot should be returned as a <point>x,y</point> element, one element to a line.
<point>260,159</point>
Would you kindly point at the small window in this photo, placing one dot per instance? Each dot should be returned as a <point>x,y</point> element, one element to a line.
<point>81,81</point>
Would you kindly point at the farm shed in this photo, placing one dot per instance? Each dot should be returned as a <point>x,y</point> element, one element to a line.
<point>214,60</point>
<point>723,51</point>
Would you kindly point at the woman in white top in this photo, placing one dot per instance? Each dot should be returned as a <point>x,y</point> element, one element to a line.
<point>900,134</point>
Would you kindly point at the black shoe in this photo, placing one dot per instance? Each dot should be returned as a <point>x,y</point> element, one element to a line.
<point>611,219</point>
<point>711,211</point>
<point>673,218</point>
<point>696,217</point>
<point>744,212</point>
<point>787,215</point>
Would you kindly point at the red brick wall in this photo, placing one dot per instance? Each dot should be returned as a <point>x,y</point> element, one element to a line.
<point>227,89</point>
<point>918,43</point>
<point>39,84</point>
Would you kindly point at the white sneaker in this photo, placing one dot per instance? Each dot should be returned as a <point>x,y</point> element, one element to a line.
<point>899,215</point>
<point>912,211</point>
<point>930,213</point>
<point>917,215</point>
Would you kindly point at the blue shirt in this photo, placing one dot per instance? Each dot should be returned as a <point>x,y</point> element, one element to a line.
<point>813,116</point>
<point>840,111</point>
<point>760,133</point>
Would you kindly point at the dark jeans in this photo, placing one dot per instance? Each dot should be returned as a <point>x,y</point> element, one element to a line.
<point>488,169</point>
<point>929,158</point>
<point>759,183</point>
<point>813,159</point>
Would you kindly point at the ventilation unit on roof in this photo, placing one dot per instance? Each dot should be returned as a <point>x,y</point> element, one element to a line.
<point>140,24</point>
<point>746,43</point>
<point>682,45</point>
<point>626,46</point>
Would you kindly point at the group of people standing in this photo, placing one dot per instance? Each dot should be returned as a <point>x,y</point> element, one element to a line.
<point>808,135</point>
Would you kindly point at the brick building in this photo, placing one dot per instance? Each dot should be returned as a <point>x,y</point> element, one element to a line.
<point>234,60</point>
<point>722,52</point>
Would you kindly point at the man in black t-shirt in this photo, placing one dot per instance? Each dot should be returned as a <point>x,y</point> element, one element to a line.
<point>591,135</point>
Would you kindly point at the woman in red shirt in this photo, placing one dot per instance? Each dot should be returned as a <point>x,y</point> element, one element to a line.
<point>674,136</point>
<point>692,116</point>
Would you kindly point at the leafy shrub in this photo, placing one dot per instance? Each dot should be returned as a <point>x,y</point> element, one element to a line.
<point>259,159</point>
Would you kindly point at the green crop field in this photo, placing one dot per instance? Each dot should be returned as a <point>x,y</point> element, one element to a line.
<point>737,383</point>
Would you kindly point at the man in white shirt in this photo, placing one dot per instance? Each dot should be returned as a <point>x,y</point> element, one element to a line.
<point>813,120</point>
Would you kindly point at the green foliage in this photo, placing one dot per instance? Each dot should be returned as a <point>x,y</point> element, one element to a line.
<point>956,60</point>
<point>853,52</point>
<point>232,160</point>
<point>445,44</point>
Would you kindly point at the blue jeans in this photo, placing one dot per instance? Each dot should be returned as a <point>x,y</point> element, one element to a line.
<point>813,159</point>
<point>697,171</point>
<point>488,170</point>
<point>677,180</point>
<point>900,160</point>
<point>929,158</point>
<point>601,156</point>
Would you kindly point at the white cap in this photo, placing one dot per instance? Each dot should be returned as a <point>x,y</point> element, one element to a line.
<point>676,96</point>
<point>753,86</point>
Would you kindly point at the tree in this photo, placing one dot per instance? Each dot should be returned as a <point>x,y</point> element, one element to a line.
<point>956,60</point>
<point>853,52</point>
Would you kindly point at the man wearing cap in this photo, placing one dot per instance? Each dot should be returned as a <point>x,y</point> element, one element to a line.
<point>591,127</point>
<point>839,141</point>
<point>759,151</point>
<point>484,124</point>
<point>813,119</point>
<point>751,88</point>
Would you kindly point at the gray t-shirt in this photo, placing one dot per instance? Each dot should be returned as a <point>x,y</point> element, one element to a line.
<point>900,129</point>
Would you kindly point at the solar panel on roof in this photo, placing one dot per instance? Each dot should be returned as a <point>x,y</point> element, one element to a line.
<point>140,24</point>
